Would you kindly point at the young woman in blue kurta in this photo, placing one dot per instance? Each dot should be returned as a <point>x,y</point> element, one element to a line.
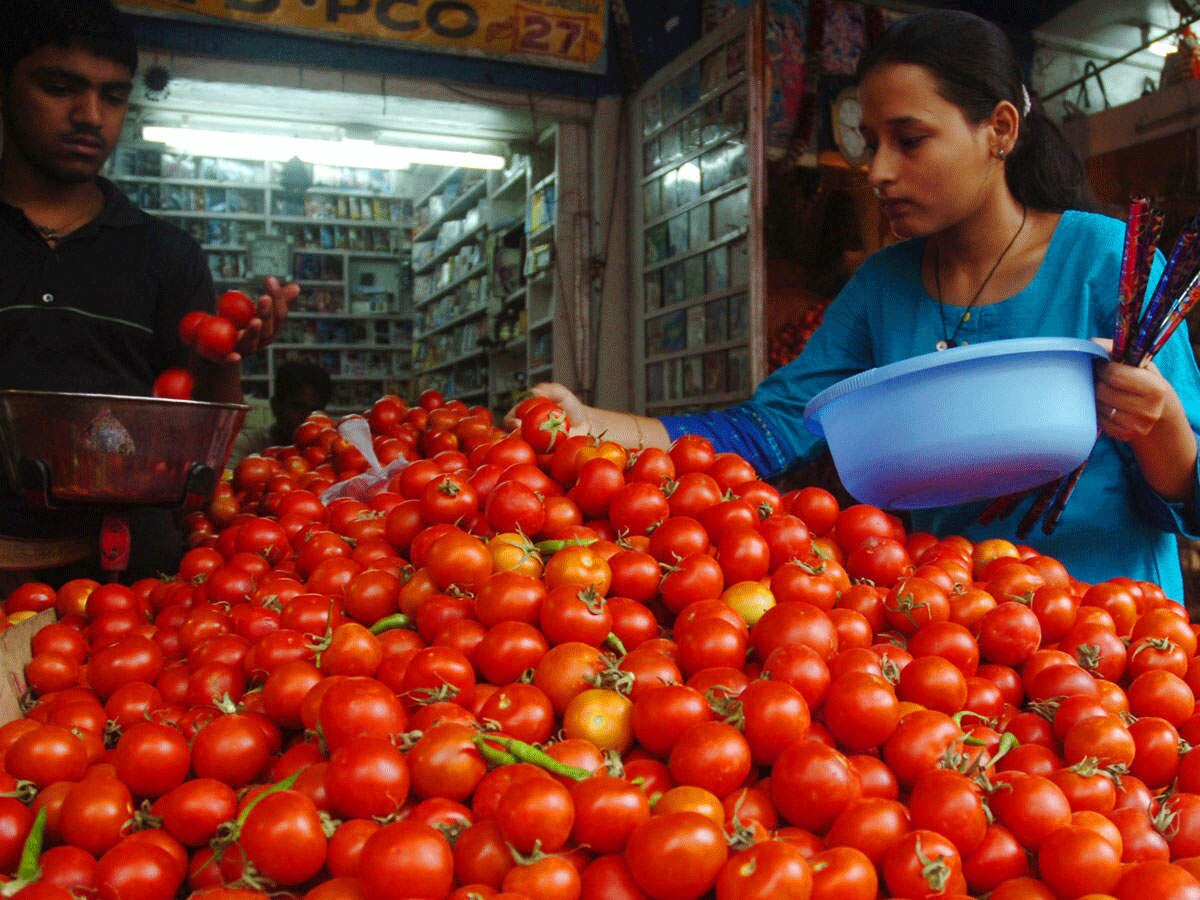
<point>988,197</point>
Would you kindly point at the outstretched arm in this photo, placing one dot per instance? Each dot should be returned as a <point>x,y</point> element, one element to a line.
<point>625,428</point>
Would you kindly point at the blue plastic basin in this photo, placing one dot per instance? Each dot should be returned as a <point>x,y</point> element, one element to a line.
<point>965,424</point>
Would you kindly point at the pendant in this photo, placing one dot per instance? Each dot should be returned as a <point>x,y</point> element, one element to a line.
<point>944,345</point>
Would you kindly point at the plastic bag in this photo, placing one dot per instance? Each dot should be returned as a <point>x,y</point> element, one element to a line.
<point>370,482</point>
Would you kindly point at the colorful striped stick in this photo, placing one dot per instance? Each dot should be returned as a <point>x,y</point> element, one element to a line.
<point>1139,210</point>
<point>1060,501</point>
<point>1174,297</point>
<point>1147,243</point>
<point>1045,494</point>
<point>1001,507</point>
<point>1179,272</point>
<point>1176,315</point>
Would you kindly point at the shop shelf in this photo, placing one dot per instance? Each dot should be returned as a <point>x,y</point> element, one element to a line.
<point>451,287</point>
<point>458,208</point>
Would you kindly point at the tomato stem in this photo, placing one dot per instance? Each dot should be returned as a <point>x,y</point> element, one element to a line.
<point>935,871</point>
<point>26,792</point>
<point>329,825</point>
<point>616,643</point>
<point>526,859</point>
<point>396,620</point>
<point>1008,743</point>
<point>284,785</point>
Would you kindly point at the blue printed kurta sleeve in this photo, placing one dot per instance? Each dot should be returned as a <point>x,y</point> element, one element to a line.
<point>768,429</point>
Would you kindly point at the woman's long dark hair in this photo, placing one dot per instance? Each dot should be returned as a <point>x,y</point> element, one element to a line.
<point>976,68</point>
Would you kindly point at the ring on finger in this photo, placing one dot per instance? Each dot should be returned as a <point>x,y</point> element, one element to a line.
<point>1112,413</point>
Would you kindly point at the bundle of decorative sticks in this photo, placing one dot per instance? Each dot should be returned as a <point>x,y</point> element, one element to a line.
<point>1141,331</point>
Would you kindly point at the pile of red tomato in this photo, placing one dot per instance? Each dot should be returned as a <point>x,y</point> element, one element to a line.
<point>534,665</point>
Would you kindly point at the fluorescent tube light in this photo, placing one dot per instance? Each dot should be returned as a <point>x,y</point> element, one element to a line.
<point>1163,48</point>
<point>346,152</point>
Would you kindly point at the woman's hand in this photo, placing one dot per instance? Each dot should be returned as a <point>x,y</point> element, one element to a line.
<point>1138,405</point>
<point>578,414</point>
<point>1132,401</point>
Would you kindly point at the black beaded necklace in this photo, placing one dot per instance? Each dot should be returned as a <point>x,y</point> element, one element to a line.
<point>949,339</point>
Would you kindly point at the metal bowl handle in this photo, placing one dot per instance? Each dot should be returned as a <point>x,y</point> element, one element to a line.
<point>198,487</point>
<point>33,481</point>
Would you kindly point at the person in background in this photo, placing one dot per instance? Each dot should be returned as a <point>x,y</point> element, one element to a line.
<point>991,204</point>
<point>91,288</point>
<point>300,388</point>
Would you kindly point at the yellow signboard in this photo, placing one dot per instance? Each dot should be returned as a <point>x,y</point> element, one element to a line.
<point>568,33</point>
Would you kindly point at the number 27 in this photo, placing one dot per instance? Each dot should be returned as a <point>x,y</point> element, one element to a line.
<point>538,28</point>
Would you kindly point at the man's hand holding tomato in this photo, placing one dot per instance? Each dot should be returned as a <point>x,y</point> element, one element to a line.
<point>255,327</point>
<point>272,309</point>
<point>241,327</point>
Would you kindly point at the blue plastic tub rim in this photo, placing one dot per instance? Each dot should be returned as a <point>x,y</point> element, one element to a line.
<point>940,358</point>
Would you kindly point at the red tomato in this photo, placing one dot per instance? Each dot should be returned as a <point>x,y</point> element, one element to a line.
<point>677,854</point>
<point>445,762</point>
<point>152,759</point>
<point>233,749</point>
<point>812,784</point>
<point>188,325</point>
<point>952,804</point>
<point>857,523</point>
<point>543,424</point>
<point>843,873</point>
<point>1029,806</point>
<point>216,336</point>
<point>95,814</point>
<point>174,384</point>
<point>237,308</point>
<point>881,560</point>
<point>692,453</point>
<point>770,869</point>
<point>713,756</point>
<point>921,863</point>
<point>406,859</point>
<point>283,837</point>
<point>138,869</point>
<point>861,710</point>
<point>870,825</point>
<point>1075,861</point>
<point>1157,879</point>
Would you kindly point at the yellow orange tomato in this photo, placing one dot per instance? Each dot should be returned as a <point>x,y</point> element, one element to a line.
<point>578,567</point>
<point>989,550</point>
<point>512,552</point>
<point>688,798</point>
<point>601,716</point>
<point>749,599</point>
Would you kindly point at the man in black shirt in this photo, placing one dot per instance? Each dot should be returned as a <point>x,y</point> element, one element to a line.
<point>91,288</point>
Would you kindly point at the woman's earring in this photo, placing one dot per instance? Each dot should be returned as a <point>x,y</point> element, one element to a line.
<point>1002,154</point>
